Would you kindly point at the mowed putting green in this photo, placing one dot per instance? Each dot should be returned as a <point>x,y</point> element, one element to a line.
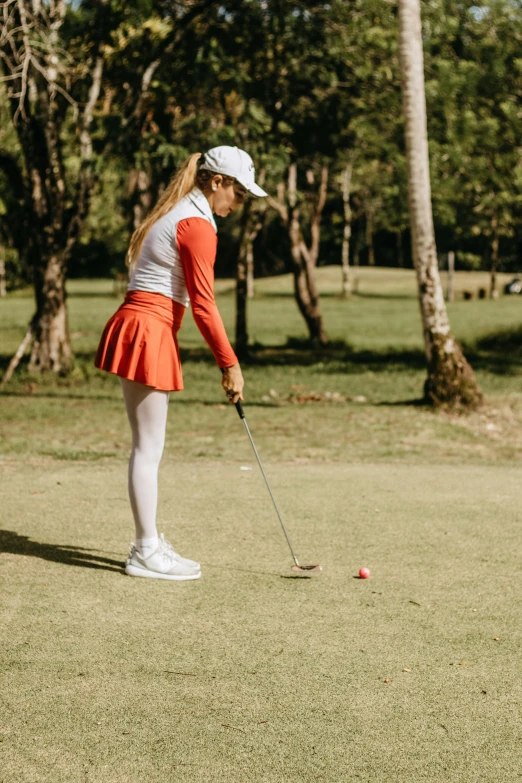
<point>251,675</point>
<point>248,675</point>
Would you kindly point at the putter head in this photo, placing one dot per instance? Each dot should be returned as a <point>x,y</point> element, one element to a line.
<point>307,570</point>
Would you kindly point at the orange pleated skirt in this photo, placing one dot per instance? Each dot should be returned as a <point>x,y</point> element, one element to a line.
<point>139,342</point>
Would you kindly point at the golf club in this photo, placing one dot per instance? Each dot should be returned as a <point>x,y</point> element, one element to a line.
<point>298,567</point>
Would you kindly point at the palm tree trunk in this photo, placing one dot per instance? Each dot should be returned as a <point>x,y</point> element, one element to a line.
<point>451,381</point>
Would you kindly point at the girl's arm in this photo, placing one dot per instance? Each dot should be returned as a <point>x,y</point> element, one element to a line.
<point>197,244</point>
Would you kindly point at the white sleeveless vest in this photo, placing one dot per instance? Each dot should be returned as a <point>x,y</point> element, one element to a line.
<point>158,268</point>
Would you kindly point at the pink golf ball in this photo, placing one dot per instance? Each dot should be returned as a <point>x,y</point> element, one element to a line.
<point>364,573</point>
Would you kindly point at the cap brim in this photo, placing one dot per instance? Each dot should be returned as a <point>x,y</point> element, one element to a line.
<point>254,189</point>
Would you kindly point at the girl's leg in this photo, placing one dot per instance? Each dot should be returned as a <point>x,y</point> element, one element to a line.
<point>147,412</point>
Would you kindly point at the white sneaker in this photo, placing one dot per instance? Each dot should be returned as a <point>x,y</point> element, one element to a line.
<point>184,560</point>
<point>164,563</point>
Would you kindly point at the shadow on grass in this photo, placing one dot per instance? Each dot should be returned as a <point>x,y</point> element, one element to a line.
<point>395,297</point>
<point>59,394</point>
<point>335,295</point>
<point>118,298</point>
<point>417,402</point>
<point>336,357</point>
<point>175,399</point>
<point>499,353</point>
<point>15,544</point>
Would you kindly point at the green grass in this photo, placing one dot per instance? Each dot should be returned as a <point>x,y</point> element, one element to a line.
<point>248,675</point>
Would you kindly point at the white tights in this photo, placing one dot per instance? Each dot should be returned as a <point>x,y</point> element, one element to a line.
<point>147,412</point>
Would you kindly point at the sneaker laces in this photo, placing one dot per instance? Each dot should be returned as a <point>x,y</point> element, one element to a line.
<point>167,550</point>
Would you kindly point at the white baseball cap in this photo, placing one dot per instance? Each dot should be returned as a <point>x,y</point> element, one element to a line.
<point>233,162</point>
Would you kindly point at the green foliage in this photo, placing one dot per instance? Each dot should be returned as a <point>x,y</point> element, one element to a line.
<point>103,245</point>
<point>474,90</point>
<point>289,82</point>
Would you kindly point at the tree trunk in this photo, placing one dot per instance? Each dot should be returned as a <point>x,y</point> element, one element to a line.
<point>451,381</point>
<point>250,267</point>
<point>347,231</point>
<point>140,195</point>
<point>451,276</point>
<point>400,251</point>
<point>241,346</point>
<point>3,289</point>
<point>369,237</point>
<point>303,295</point>
<point>493,293</point>
<point>15,361</point>
<point>55,217</point>
<point>51,347</point>
<point>304,259</point>
<point>251,224</point>
<point>357,247</point>
<point>144,182</point>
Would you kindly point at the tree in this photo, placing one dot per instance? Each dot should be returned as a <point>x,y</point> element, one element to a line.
<point>346,182</point>
<point>278,49</point>
<point>474,90</point>
<point>451,381</point>
<point>289,205</point>
<point>157,104</point>
<point>251,224</point>
<point>54,56</point>
<point>40,75</point>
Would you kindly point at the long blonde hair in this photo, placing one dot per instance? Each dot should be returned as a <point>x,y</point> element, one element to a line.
<point>183,181</point>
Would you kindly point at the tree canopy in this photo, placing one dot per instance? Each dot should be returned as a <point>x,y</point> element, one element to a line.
<point>290,81</point>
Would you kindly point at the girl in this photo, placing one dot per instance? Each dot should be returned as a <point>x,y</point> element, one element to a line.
<point>171,258</point>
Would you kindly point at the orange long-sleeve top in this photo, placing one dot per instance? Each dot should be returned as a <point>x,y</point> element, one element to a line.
<point>197,244</point>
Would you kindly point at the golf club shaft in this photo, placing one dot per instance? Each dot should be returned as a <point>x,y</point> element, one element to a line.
<point>241,413</point>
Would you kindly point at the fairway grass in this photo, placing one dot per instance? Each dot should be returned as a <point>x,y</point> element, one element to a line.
<point>250,675</point>
<point>246,675</point>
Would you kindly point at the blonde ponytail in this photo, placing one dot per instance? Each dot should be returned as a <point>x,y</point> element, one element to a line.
<point>183,181</point>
